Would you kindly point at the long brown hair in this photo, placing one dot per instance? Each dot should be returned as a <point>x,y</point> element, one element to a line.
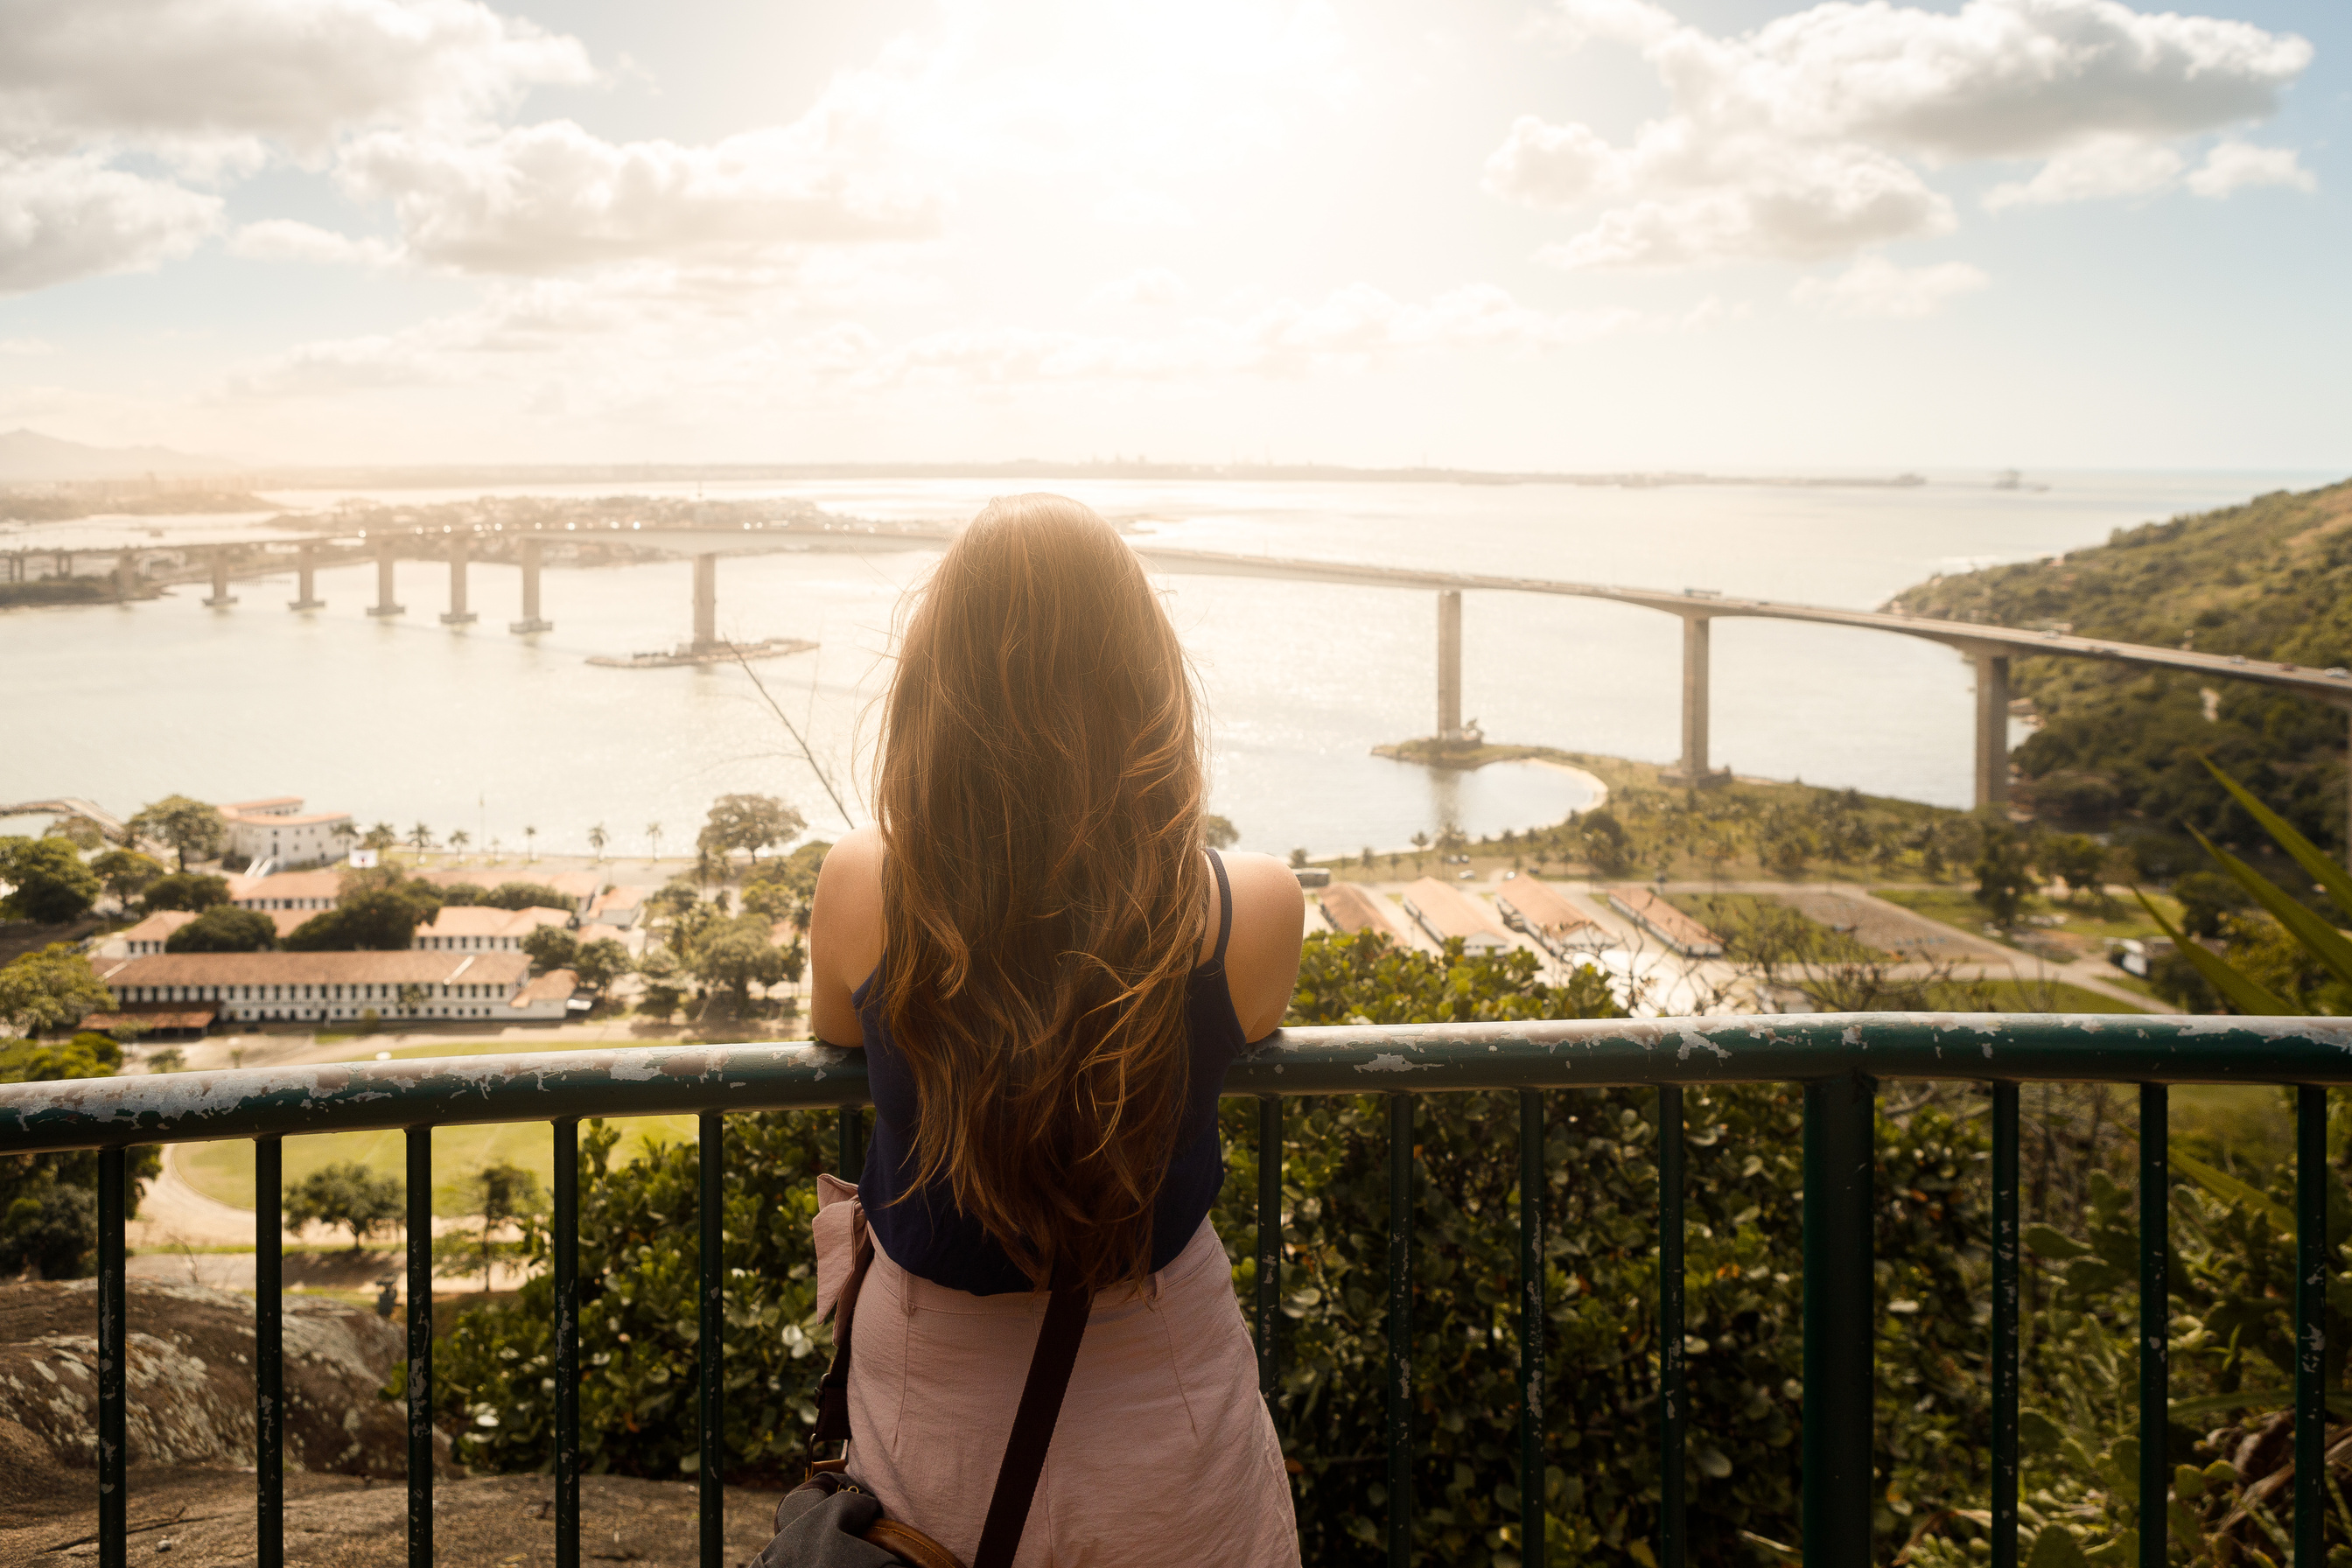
<point>1043,887</point>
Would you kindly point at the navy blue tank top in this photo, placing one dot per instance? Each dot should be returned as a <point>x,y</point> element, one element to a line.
<point>929,1237</point>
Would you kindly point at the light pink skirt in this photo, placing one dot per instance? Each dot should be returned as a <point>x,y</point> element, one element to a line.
<point>1164,1453</point>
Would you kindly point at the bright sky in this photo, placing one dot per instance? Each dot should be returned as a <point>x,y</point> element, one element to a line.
<point>1574,233</point>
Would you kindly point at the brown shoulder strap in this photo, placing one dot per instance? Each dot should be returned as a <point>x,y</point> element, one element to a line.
<point>1032,1425</point>
<point>833,1393</point>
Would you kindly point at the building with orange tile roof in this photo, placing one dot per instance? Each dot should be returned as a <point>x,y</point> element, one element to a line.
<point>1350,907</point>
<point>1537,908</point>
<point>478,928</point>
<point>1446,912</point>
<point>1653,914</point>
<point>324,987</point>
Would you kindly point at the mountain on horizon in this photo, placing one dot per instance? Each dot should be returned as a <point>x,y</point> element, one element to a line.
<point>27,456</point>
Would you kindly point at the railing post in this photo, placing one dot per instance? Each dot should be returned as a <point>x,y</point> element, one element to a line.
<point>2312,1264</point>
<point>853,1141</point>
<point>1839,1320</point>
<point>269,1360</point>
<point>711,1341</point>
<point>563,1247</point>
<point>2155,1323</point>
<point>113,1366</point>
<point>1401,1109</point>
<point>2004,1325</point>
<point>1672,1408</point>
<point>420,1347</point>
<point>1269,1245</point>
<point>1532,1321</point>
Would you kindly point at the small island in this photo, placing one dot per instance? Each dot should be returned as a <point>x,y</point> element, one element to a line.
<point>704,653</point>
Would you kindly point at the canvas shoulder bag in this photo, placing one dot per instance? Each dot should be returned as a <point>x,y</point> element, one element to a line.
<point>830,1522</point>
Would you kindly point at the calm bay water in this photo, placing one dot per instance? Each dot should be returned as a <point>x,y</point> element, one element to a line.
<point>407,720</point>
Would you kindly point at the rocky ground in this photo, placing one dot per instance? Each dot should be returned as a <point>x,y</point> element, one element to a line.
<point>183,1517</point>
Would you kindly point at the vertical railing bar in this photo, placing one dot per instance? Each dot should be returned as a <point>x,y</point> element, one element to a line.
<point>268,1359</point>
<point>1269,1245</point>
<point>2155,1323</point>
<point>420,1347</point>
<point>1533,1180</point>
<point>1840,1319</point>
<point>2004,1325</point>
<point>710,1349</point>
<point>1400,1443</point>
<point>1672,1408</point>
<point>113,1348</point>
<point>853,1141</point>
<point>563,1261</point>
<point>2311,1269</point>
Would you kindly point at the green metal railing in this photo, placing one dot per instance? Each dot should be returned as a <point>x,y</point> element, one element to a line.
<point>1838,1059</point>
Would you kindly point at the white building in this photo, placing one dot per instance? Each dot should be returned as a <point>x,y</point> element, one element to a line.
<point>478,927</point>
<point>280,830</point>
<point>319,987</point>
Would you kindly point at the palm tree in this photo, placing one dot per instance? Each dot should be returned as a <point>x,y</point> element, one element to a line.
<point>530,842</point>
<point>653,841</point>
<point>381,837</point>
<point>420,838</point>
<point>460,840</point>
<point>596,840</point>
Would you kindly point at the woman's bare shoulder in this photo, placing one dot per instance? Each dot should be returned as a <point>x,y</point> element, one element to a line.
<point>1269,923</point>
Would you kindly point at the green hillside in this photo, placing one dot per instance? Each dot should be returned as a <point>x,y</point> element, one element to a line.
<point>2118,747</point>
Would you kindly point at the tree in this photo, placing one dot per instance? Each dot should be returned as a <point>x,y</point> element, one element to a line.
<point>497,1195</point>
<point>1419,850</point>
<point>190,827</point>
<point>600,962</point>
<point>527,896</point>
<point>46,991</point>
<point>597,840</point>
<point>382,836</point>
<point>2205,896</point>
<point>345,1195</point>
<point>459,841</point>
<point>2004,874</point>
<point>1298,859</point>
<point>2076,858</point>
<point>125,873</point>
<point>785,889</point>
<point>79,831</point>
<point>552,947</point>
<point>48,1208</point>
<point>420,838</point>
<point>529,843</point>
<point>749,823</point>
<point>740,951</point>
<point>224,928</point>
<point>194,891</point>
<point>369,920</point>
<point>51,885</point>
<point>1219,833</point>
<point>1604,844</point>
<point>1365,858</point>
<point>653,841</point>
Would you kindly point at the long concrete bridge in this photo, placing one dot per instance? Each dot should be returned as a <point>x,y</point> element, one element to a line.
<point>1988,648</point>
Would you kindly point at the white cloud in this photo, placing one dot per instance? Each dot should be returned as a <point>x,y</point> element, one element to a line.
<point>2238,166</point>
<point>187,73</point>
<point>547,197</point>
<point>73,217</point>
<point>1151,286</point>
<point>2105,167</point>
<point>1796,140</point>
<point>1875,286</point>
<point>283,239</point>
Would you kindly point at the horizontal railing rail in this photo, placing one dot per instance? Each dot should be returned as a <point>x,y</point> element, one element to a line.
<point>1838,1059</point>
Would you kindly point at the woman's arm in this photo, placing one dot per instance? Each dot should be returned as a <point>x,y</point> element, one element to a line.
<point>1269,925</point>
<point>844,934</point>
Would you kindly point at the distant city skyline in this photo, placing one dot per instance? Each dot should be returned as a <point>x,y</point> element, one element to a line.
<point>1581,236</point>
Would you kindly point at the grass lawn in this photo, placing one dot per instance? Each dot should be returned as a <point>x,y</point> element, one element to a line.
<point>224,1171</point>
<point>1729,915</point>
<point>1957,908</point>
<point>2022,996</point>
